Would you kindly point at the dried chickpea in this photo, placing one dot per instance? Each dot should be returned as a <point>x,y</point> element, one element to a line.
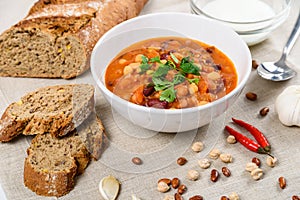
<point>257,173</point>
<point>204,163</point>
<point>169,197</point>
<point>162,186</point>
<point>271,161</point>
<point>197,146</point>
<point>234,196</point>
<point>193,175</point>
<point>226,158</point>
<point>214,154</point>
<point>231,139</point>
<point>251,166</point>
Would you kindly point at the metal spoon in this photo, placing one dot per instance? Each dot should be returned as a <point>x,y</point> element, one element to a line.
<point>279,71</point>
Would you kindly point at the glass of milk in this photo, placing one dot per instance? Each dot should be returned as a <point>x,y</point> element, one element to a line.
<point>253,20</point>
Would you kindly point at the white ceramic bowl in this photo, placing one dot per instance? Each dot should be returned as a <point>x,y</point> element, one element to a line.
<point>177,24</point>
<point>253,20</point>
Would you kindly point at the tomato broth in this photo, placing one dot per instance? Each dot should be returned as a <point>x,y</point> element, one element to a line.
<point>171,73</point>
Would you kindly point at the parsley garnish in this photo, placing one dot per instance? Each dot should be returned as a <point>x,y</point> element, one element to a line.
<point>159,76</point>
<point>188,67</point>
<point>168,95</point>
<point>155,59</point>
<point>144,66</point>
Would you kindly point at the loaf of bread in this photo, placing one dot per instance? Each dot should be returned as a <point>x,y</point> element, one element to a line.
<point>56,38</point>
<point>53,163</point>
<point>55,109</point>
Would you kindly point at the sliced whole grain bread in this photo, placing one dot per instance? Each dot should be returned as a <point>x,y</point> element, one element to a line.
<point>56,38</point>
<point>53,163</point>
<point>55,109</point>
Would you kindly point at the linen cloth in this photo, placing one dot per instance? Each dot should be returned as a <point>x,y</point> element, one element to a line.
<point>159,151</point>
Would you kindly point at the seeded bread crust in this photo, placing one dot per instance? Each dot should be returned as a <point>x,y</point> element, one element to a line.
<point>53,163</point>
<point>54,109</point>
<point>56,38</point>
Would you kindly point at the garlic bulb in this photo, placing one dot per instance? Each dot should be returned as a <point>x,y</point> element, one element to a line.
<point>287,106</point>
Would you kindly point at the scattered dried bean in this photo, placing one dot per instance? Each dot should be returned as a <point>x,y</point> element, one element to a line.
<point>257,173</point>
<point>264,111</point>
<point>178,196</point>
<point>256,161</point>
<point>254,64</point>
<point>214,154</point>
<point>226,158</point>
<point>234,196</point>
<point>196,197</point>
<point>224,198</point>
<point>175,183</point>
<point>271,161</point>
<point>169,197</point>
<point>251,166</point>
<point>193,175</point>
<point>231,139</point>
<point>282,182</point>
<point>162,187</point>
<point>181,161</point>
<point>197,146</point>
<point>204,163</point>
<point>166,180</point>
<point>181,189</point>
<point>226,171</point>
<point>214,175</point>
<point>251,96</point>
<point>137,160</point>
<point>295,197</point>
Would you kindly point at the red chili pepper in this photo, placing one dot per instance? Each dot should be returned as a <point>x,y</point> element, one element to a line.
<point>257,134</point>
<point>245,141</point>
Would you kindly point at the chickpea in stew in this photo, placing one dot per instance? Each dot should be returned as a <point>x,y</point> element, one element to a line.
<point>171,73</point>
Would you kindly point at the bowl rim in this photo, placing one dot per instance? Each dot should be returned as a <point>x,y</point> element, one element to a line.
<point>278,15</point>
<point>114,97</point>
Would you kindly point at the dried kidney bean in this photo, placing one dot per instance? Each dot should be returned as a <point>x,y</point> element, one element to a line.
<point>264,111</point>
<point>226,171</point>
<point>251,96</point>
<point>181,189</point>
<point>256,161</point>
<point>224,198</point>
<point>137,160</point>
<point>282,182</point>
<point>175,182</point>
<point>181,161</point>
<point>295,197</point>
<point>214,175</point>
<point>196,197</point>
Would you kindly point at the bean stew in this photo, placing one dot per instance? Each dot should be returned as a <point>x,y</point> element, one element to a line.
<point>171,73</point>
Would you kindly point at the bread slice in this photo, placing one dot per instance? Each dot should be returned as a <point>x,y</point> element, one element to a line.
<point>55,109</point>
<point>53,163</point>
<point>56,38</point>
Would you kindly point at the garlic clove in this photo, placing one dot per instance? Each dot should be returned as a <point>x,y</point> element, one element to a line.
<point>109,188</point>
<point>287,106</point>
